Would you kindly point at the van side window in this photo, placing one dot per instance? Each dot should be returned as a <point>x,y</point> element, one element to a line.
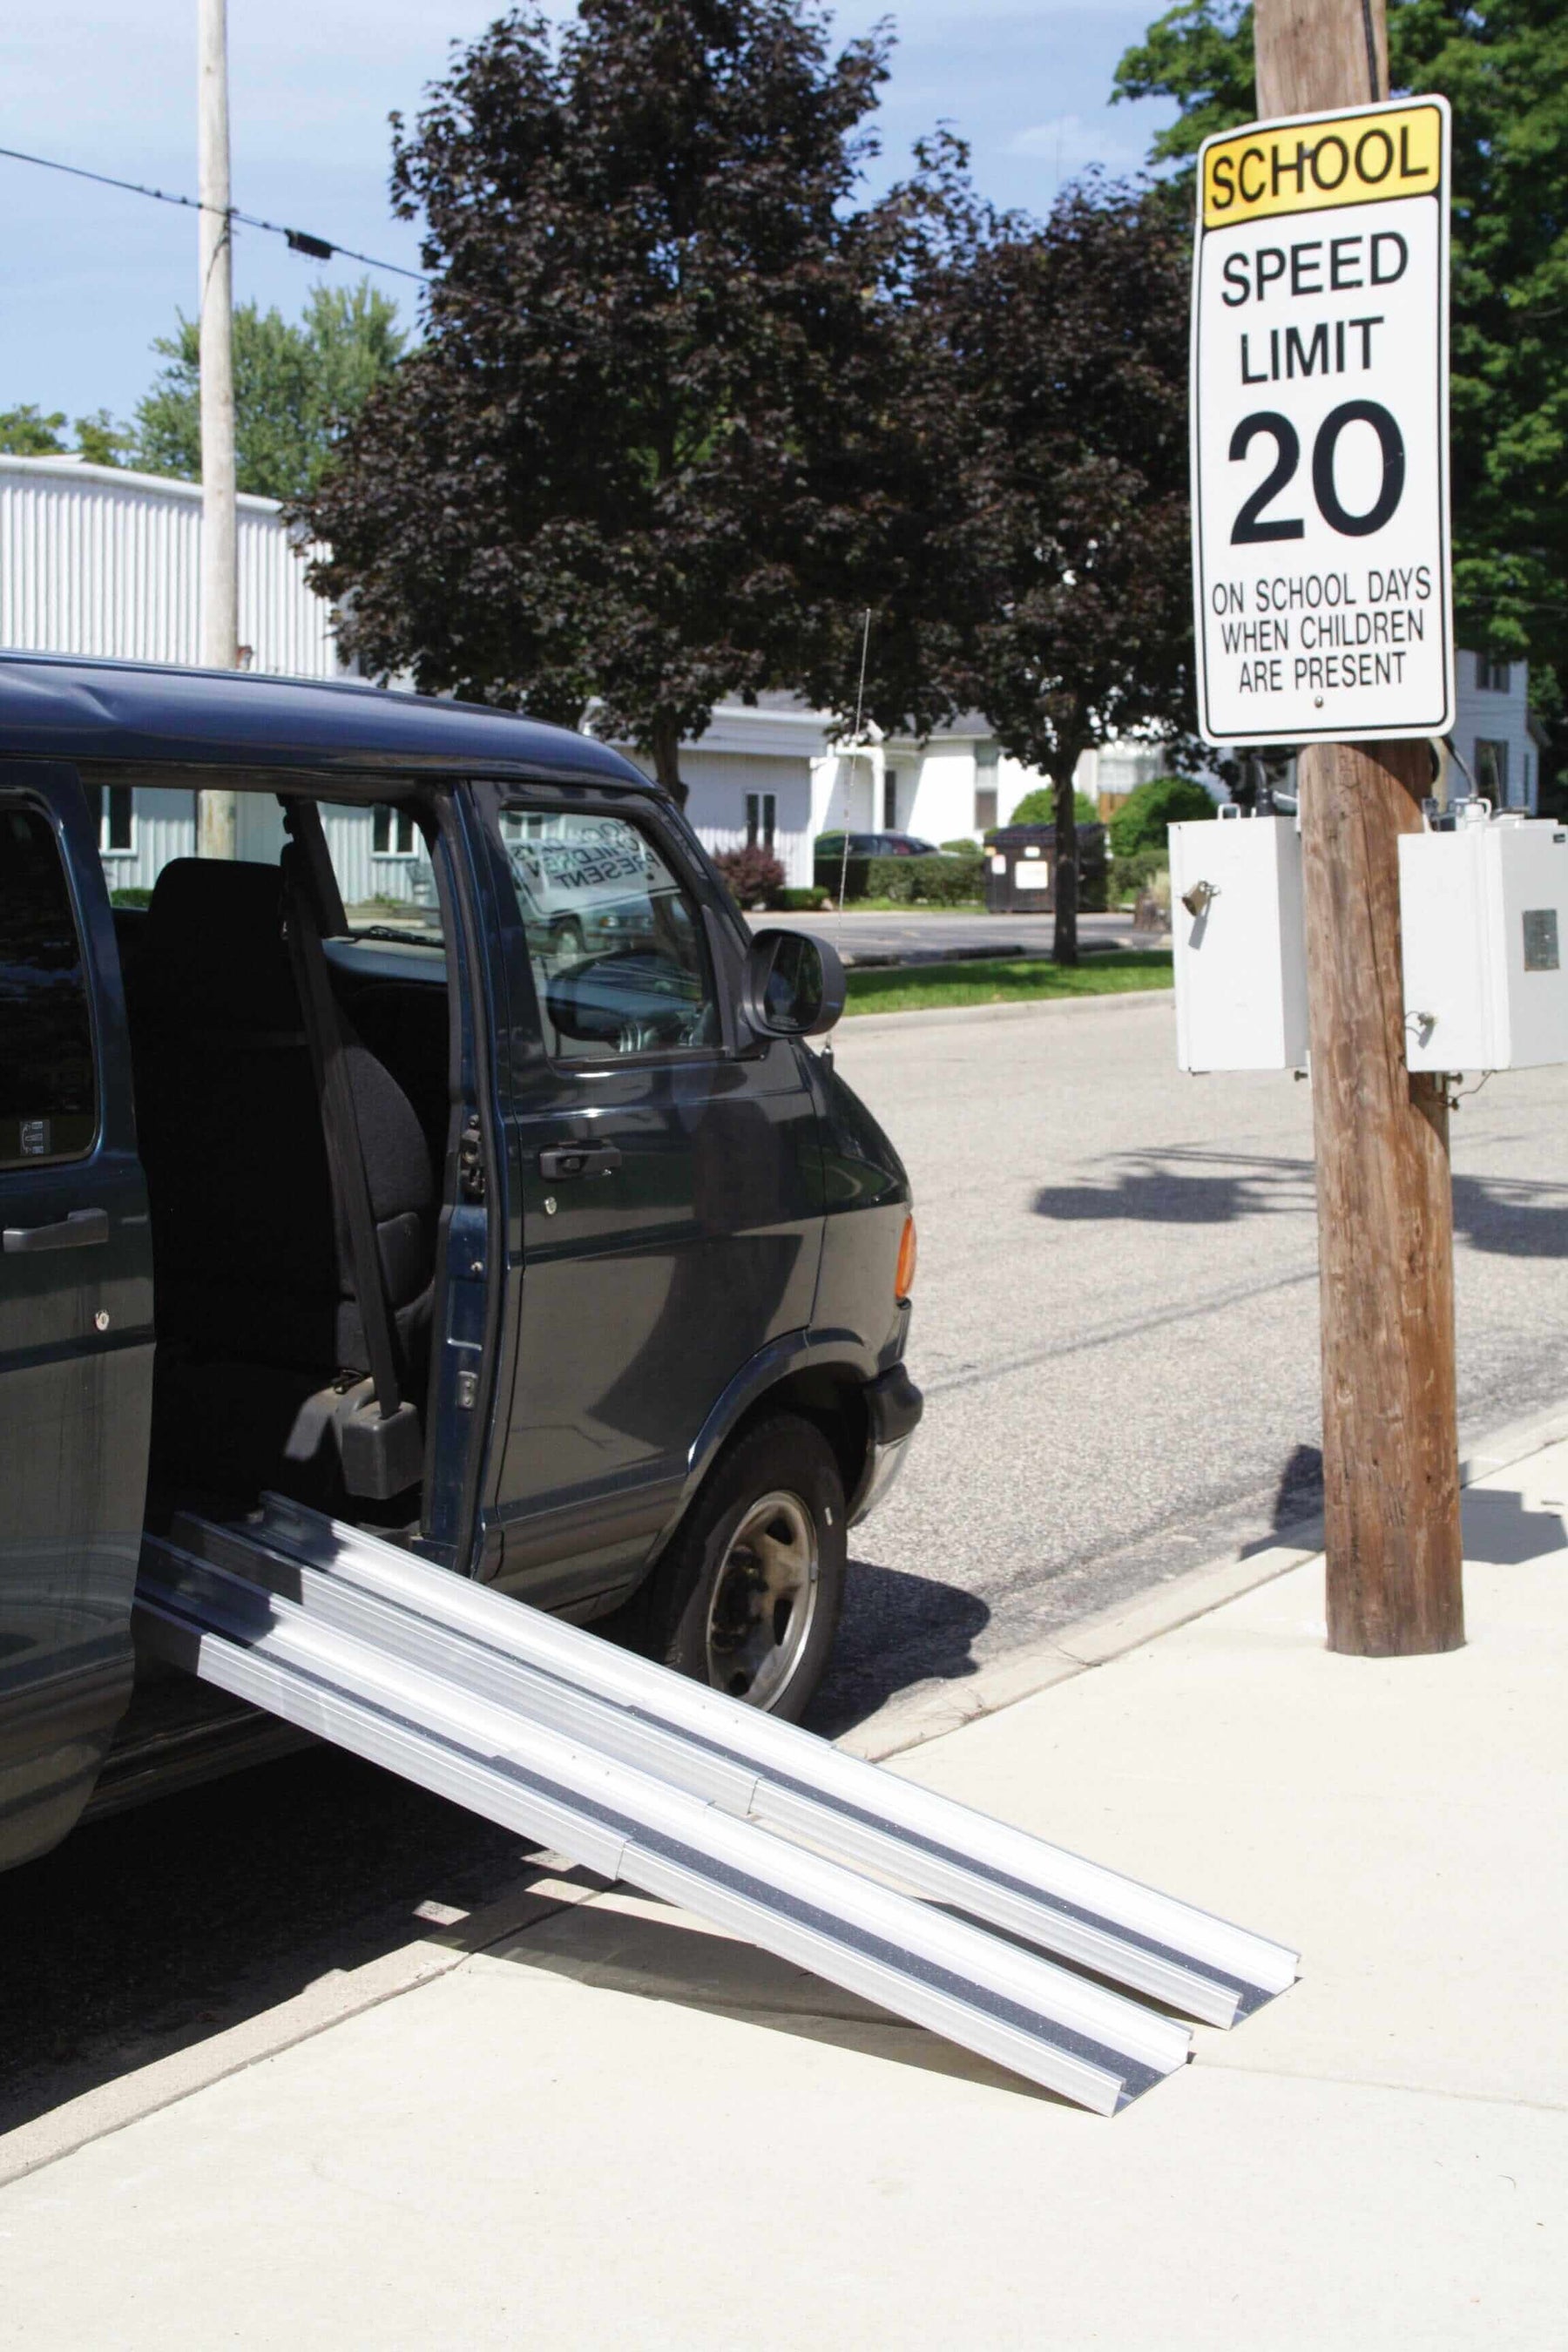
<point>620,965</point>
<point>49,1108</point>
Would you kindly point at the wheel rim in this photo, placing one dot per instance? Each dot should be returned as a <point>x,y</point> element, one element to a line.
<point>764,1601</point>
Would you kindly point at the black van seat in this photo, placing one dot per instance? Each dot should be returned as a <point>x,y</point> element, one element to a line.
<point>249,1266</point>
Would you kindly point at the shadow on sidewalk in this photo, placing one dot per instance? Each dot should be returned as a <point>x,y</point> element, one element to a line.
<point>1499,1531</point>
<point>628,1943</point>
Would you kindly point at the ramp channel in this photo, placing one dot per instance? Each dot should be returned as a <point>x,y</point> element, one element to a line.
<point>686,1793</point>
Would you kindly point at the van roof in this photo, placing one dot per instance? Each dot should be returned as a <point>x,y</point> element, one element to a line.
<point>66,707</point>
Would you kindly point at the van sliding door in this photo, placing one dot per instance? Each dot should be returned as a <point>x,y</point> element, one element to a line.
<point>75,1313</point>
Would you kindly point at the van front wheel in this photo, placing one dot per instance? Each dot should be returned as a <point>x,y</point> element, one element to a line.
<point>748,1596</point>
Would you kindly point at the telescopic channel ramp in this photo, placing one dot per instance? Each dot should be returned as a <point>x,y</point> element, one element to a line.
<point>754,1825</point>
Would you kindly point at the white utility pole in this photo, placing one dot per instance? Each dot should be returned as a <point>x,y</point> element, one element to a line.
<point>220,568</point>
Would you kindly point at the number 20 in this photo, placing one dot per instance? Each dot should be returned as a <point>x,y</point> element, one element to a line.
<point>1250,526</point>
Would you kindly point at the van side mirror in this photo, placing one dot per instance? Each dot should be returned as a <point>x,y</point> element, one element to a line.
<point>794,985</point>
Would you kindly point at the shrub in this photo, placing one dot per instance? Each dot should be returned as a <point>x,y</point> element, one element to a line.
<point>797,902</point>
<point>963,847</point>
<point>1133,872</point>
<point>134,894</point>
<point>907,881</point>
<point>1039,807</point>
<point>1140,823</point>
<point>926,881</point>
<point>753,874</point>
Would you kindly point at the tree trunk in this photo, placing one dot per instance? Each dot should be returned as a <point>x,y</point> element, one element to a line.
<point>664,742</point>
<point>1064,946</point>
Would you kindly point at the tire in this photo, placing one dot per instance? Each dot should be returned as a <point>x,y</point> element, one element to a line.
<point>771,1517</point>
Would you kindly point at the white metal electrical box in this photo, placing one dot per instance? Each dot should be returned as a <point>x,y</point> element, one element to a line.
<point>1483,913</point>
<point>1240,940</point>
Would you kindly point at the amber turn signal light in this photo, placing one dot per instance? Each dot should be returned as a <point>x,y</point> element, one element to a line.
<point>904,1280</point>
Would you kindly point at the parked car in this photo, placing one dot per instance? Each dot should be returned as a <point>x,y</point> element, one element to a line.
<point>876,844</point>
<point>578,1273</point>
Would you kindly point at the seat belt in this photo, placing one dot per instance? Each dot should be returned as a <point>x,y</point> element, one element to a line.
<point>383,1452</point>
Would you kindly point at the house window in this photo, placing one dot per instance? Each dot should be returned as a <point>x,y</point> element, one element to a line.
<point>1491,677</point>
<point>986,763</point>
<point>392,833</point>
<point>890,801</point>
<point>761,819</point>
<point>1491,772</point>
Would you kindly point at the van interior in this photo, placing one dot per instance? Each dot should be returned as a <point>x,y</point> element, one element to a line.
<point>295,1091</point>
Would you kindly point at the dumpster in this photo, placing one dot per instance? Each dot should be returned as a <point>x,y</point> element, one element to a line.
<point>1021,866</point>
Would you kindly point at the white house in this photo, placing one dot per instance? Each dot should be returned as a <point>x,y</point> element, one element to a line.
<point>1494,735</point>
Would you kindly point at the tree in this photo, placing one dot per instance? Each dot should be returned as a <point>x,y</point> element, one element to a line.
<point>103,442</point>
<point>1069,379</point>
<point>1039,807</point>
<point>1140,823</point>
<point>26,433</point>
<point>625,469</point>
<point>1503,66</point>
<point>296,387</point>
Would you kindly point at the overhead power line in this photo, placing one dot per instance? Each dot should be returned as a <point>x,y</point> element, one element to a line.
<point>298,240</point>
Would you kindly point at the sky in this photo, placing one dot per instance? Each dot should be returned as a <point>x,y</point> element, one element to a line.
<point>89,276</point>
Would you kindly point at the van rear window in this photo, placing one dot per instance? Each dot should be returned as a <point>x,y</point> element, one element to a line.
<point>47,1106</point>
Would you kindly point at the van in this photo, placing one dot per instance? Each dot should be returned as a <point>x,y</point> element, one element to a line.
<point>503,1207</point>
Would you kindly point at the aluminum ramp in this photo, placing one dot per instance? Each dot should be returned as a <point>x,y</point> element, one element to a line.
<point>763,1828</point>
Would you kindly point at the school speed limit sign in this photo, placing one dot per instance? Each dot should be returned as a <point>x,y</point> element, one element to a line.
<point>1320,428</point>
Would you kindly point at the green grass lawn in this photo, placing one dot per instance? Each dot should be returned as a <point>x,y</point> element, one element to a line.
<point>995,979</point>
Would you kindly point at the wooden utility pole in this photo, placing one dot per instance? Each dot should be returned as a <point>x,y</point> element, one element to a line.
<point>1391,1469</point>
<point>220,567</point>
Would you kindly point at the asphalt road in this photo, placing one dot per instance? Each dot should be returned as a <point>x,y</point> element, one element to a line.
<point>1115,1329</point>
<point>1116,1317</point>
<point>913,936</point>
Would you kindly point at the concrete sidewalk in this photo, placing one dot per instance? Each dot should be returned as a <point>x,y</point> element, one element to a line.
<point>616,2126</point>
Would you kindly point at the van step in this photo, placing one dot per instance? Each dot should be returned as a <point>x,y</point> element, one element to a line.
<point>693,1797</point>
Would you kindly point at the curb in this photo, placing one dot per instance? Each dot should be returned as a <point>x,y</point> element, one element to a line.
<point>909,1722</point>
<point>940,1015</point>
<point>342,1993</point>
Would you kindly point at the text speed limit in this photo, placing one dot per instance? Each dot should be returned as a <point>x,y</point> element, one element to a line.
<point>1320,428</point>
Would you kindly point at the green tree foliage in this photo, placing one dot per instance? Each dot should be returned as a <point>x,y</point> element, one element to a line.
<point>1039,807</point>
<point>1065,385</point>
<point>632,464</point>
<point>1140,823</point>
<point>296,385</point>
<point>1503,66</point>
<point>103,442</point>
<point>26,433</point>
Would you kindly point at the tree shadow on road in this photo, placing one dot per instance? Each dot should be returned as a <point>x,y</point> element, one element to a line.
<point>1182,1187</point>
<point>1505,1216</point>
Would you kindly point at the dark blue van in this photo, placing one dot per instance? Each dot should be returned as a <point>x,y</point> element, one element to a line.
<point>510,1215</point>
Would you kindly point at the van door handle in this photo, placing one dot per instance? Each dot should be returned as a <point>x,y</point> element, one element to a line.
<point>83,1229</point>
<point>579,1160</point>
